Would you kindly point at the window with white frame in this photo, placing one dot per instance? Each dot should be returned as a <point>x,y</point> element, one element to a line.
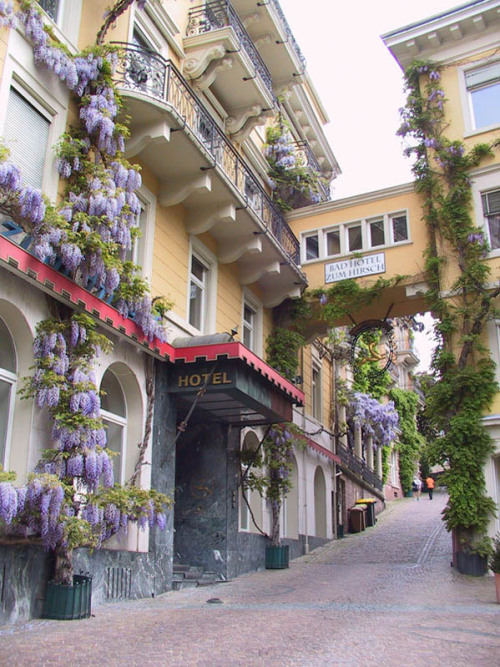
<point>333,246</point>
<point>53,8</point>
<point>8,378</point>
<point>354,238</point>
<point>198,284</point>
<point>28,150</point>
<point>114,415</point>
<point>362,235</point>
<point>377,233</point>
<point>311,247</point>
<point>483,90</point>
<point>491,211</point>
<point>141,251</point>
<point>399,228</point>
<point>251,322</point>
<point>249,317</point>
<point>65,15</point>
<point>202,287</point>
<point>316,393</point>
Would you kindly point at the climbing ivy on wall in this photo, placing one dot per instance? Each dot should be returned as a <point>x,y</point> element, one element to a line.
<point>465,371</point>
<point>409,441</point>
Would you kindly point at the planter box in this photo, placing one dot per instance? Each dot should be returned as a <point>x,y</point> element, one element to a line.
<point>66,603</point>
<point>472,564</point>
<point>277,558</point>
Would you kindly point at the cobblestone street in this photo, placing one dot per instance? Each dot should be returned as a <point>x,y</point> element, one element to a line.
<point>386,596</point>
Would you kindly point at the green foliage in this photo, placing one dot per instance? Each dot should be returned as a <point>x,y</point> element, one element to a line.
<point>410,441</point>
<point>282,347</point>
<point>494,562</point>
<point>348,296</point>
<point>465,382</point>
<point>367,376</point>
<point>295,184</point>
<point>386,452</point>
<point>7,475</point>
<point>270,467</point>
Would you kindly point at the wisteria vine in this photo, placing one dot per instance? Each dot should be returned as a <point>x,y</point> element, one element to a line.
<point>71,499</point>
<point>293,184</point>
<point>91,230</point>
<point>270,466</point>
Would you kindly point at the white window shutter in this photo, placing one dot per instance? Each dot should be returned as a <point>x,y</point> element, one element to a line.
<point>26,134</point>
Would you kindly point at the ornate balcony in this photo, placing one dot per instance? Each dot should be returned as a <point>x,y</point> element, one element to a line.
<point>306,157</point>
<point>222,56</point>
<point>269,29</point>
<point>351,462</point>
<point>178,139</point>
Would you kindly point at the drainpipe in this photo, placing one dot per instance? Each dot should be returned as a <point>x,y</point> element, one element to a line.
<point>304,458</point>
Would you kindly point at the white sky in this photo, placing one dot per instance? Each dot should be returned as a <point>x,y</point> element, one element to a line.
<point>359,82</point>
<point>361,87</point>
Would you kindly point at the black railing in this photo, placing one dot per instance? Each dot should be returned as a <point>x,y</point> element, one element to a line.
<point>305,155</point>
<point>219,14</point>
<point>290,38</point>
<point>356,465</point>
<point>142,71</point>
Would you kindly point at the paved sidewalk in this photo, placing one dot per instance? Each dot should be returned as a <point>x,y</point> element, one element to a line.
<point>384,597</point>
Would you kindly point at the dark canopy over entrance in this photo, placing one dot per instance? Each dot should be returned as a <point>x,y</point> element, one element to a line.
<point>227,382</point>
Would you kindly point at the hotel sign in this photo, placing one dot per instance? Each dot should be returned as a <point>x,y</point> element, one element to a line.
<point>355,268</point>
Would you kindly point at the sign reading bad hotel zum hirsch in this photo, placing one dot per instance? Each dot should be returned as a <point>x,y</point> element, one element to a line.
<point>355,268</point>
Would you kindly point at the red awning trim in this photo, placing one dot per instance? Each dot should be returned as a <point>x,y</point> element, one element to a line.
<point>323,450</point>
<point>236,350</point>
<point>20,262</point>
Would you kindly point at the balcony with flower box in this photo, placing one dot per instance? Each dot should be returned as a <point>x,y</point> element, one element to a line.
<point>176,137</point>
<point>221,56</point>
<point>306,157</point>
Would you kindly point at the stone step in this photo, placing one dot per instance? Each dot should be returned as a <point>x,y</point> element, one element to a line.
<point>185,583</point>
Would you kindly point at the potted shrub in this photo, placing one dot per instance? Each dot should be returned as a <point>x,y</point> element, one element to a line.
<point>495,565</point>
<point>472,557</point>
<point>269,473</point>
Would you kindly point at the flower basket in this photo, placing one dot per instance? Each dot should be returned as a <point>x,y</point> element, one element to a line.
<point>277,558</point>
<point>66,603</point>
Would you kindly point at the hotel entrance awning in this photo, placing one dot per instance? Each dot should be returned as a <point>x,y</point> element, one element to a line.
<point>230,383</point>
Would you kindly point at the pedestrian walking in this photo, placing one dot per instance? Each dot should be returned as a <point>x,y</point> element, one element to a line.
<point>430,486</point>
<point>417,487</point>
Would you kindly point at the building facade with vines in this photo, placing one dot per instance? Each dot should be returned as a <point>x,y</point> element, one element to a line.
<point>184,391</point>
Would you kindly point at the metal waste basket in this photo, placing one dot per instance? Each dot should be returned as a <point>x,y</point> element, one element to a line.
<point>370,509</point>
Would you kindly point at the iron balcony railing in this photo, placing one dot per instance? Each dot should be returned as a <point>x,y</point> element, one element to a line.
<point>219,14</point>
<point>356,465</point>
<point>289,35</point>
<point>305,155</point>
<point>142,71</point>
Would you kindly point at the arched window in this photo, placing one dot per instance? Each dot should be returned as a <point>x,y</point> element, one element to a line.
<point>114,414</point>
<point>8,377</point>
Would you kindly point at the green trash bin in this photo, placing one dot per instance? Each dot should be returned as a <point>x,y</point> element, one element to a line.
<point>65,603</point>
<point>370,510</point>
